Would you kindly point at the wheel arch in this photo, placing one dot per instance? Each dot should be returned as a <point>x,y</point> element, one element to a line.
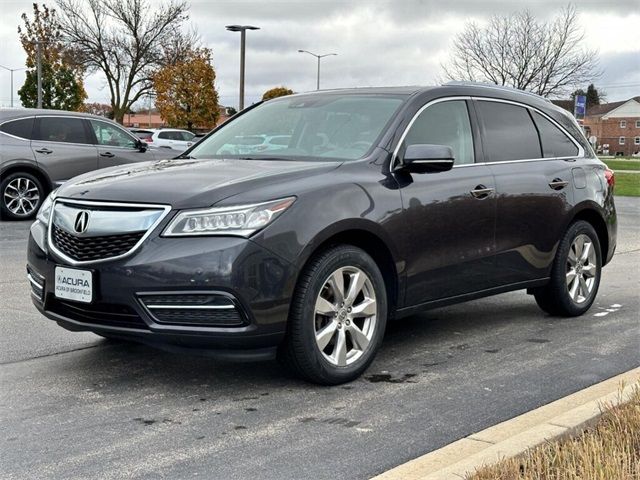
<point>28,167</point>
<point>369,239</point>
<point>592,215</point>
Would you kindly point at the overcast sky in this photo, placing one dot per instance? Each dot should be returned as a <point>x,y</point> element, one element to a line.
<point>379,42</point>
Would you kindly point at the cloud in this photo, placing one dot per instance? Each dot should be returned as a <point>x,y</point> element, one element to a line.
<point>379,42</point>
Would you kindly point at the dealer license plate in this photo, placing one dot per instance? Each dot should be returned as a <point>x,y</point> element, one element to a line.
<point>74,284</point>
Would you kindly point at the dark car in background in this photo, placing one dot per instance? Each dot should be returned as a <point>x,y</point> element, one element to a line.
<point>383,202</point>
<point>41,149</point>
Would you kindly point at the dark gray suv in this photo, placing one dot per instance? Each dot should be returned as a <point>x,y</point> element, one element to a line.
<point>383,202</point>
<point>41,149</point>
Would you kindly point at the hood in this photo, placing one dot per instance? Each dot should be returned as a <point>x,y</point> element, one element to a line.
<point>186,183</point>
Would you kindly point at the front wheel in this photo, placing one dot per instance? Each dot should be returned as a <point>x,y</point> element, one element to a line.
<point>338,317</point>
<point>575,276</point>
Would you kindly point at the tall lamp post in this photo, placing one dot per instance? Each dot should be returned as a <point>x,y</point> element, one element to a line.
<point>12,70</point>
<point>318,57</point>
<point>243,34</point>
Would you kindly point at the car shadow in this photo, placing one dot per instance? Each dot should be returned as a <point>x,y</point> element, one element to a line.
<point>428,338</point>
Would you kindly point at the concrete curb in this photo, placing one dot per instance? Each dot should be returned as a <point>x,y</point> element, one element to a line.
<point>565,416</point>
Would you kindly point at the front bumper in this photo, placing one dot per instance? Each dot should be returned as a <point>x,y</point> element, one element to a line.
<point>258,283</point>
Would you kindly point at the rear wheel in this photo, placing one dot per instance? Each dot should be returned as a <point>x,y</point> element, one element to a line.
<point>575,276</point>
<point>21,195</point>
<point>338,316</point>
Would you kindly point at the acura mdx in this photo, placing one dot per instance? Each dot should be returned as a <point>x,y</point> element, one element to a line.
<point>383,202</point>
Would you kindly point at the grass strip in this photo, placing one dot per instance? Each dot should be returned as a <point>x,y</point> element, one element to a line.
<point>627,185</point>
<point>610,450</point>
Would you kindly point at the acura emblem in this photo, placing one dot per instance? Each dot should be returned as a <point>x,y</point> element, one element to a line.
<point>82,220</point>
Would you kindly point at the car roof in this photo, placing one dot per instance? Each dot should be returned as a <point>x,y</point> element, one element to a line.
<point>12,113</point>
<point>475,89</point>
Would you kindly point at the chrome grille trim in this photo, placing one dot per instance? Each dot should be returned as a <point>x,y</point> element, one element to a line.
<point>191,307</point>
<point>37,284</point>
<point>90,204</point>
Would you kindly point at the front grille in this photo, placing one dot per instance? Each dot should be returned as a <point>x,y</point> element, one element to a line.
<point>111,315</point>
<point>205,310</point>
<point>94,248</point>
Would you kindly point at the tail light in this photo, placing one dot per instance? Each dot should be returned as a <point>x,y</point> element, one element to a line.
<point>610,176</point>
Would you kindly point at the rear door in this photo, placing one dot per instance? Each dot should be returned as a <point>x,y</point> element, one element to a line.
<point>63,146</point>
<point>116,146</point>
<point>532,170</point>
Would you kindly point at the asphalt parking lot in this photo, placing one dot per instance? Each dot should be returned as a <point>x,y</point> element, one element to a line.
<point>76,406</point>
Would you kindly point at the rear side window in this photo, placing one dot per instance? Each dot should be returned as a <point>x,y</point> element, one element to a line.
<point>554,142</point>
<point>62,129</point>
<point>22,128</point>
<point>166,135</point>
<point>509,132</point>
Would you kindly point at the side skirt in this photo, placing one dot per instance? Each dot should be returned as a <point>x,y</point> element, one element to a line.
<point>406,311</point>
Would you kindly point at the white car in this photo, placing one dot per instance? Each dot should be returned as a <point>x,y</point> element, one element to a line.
<point>172,138</point>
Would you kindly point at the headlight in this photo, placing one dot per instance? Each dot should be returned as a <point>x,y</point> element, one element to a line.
<point>45,209</point>
<point>241,220</point>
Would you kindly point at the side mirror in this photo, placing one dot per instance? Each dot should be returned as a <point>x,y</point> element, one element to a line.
<point>426,158</point>
<point>142,146</point>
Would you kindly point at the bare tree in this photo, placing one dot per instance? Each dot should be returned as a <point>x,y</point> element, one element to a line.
<point>124,39</point>
<point>519,51</point>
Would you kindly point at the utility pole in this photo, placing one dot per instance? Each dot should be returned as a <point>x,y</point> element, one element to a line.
<point>243,34</point>
<point>318,57</point>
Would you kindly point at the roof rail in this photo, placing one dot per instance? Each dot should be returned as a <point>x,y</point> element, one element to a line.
<point>495,87</point>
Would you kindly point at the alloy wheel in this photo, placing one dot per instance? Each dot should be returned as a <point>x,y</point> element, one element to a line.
<point>21,196</point>
<point>345,316</point>
<point>581,269</point>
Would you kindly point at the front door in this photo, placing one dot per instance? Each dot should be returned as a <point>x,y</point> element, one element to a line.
<point>117,146</point>
<point>448,238</point>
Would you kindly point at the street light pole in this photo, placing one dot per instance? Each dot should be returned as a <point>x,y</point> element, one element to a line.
<point>39,72</point>
<point>11,70</point>
<point>243,36</point>
<point>318,57</point>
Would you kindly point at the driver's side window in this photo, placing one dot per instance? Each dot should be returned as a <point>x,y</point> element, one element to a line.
<point>444,123</point>
<point>109,135</point>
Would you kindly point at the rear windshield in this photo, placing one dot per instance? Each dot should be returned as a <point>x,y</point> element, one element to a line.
<point>309,127</point>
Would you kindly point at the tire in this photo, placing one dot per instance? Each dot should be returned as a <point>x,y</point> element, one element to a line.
<point>351,336</point>
<point>567,295</point>
<point>21,195</point>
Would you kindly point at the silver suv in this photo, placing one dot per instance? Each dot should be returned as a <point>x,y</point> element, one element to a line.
<point>41,149</point>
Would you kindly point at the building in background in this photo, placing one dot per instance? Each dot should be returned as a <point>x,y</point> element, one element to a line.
<point>614,128</point>
<point>142,119</point>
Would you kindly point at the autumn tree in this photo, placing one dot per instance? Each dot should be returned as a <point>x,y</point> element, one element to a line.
<point>125,41</point>
<point>62,83</point>
<point>185,91</point>
<point>276,92</point>
<point>517,50</point>
<point>96,108</point>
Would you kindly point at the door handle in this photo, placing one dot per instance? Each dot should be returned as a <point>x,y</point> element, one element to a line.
<point>46,151</point>
<point>107,154</point>
<point>481,192</point>
<point>558,184</point>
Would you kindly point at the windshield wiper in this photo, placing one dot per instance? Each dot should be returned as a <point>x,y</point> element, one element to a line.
<point>185,157</point>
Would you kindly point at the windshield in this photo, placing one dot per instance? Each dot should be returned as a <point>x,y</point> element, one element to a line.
<point>320,127</point>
